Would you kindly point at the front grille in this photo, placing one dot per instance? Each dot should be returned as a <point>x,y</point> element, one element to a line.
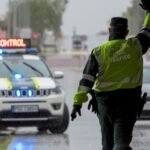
<point>24,93</point>
<point>6,93</point>
<point>9,114</point>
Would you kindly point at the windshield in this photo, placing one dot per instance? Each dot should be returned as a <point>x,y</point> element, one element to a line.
<point>26,67</point>
<point>146,75</point>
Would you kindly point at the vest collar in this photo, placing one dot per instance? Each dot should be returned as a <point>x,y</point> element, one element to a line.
<point>116,37</point>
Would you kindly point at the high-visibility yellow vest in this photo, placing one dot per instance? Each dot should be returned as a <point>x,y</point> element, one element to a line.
<point>120,65</point>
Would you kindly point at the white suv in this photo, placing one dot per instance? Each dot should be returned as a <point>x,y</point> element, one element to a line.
<point>30,95</point>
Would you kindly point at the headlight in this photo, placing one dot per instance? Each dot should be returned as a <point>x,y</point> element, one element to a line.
<point>56,90</point>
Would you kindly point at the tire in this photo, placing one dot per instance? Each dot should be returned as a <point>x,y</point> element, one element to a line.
<point>42,129</point>
<point>62,124</point>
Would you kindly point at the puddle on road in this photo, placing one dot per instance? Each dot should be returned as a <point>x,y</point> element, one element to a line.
<point>27,140</point>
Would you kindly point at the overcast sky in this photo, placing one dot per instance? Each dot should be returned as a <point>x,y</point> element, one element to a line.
<point>86,16</point>
<point>91,16</point>
<point>3,7</point>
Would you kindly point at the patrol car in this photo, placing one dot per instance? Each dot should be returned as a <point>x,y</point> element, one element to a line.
<point>145,115</point>
<point>29,92</point>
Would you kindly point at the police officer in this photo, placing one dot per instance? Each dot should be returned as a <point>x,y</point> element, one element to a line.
<point>115,70</point>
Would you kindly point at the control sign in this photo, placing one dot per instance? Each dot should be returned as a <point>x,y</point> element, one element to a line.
<point>15,43</point>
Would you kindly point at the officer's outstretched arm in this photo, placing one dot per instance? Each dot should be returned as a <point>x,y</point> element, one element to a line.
<point>144,35</point>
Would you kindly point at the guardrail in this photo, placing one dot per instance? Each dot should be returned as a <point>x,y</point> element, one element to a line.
<point>75,53</point>
<point>67,53</point>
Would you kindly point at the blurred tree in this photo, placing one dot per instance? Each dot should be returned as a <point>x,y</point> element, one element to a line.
<point>46,14</point>
<point>37,14</point>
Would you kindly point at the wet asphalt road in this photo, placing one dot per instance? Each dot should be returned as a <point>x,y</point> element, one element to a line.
<point>83,133</point>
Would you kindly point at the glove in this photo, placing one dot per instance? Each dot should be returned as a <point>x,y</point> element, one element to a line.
<point>145,4</point>
<point>76,109</point>
<point>93,103</point>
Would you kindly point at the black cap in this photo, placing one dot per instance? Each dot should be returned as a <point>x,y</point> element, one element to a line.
<point>119,22</point>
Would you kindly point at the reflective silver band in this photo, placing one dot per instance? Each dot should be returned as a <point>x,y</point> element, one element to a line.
<point>106,84</point>
<point>83,88</point>
<point>137,79</point>
<point>88,77</point>
<point>145,32</point>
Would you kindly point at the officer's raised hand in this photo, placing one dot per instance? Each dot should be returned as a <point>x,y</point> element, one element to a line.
<point>145,4</point>
<point>76,110</point>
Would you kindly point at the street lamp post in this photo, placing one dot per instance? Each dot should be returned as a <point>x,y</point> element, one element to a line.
<point>9,18</point>
<point>18,17</point>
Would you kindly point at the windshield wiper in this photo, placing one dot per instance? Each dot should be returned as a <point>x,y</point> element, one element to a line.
<point>33,68</point>
<point>7,66</point>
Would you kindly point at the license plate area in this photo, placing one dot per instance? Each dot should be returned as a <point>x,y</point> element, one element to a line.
<point>24,108</point>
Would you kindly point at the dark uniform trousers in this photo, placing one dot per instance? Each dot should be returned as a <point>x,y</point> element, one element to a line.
<point>117,116</point>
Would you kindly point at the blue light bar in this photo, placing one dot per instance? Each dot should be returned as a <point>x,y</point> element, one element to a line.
<point>18,76</point>
<point>31,50</point>
<point>18,93</point>
<point>30,93</point>
<point>1,51</point>
<point>18,51</point>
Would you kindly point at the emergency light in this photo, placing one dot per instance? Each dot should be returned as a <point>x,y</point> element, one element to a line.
<point>30,93</point>
<point>1,51</point>
<point>16,46</point>
<point>17,76</point>
<point>18,93</point>
<point>19,51</point>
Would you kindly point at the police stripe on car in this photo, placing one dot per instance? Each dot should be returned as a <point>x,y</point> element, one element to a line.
<point>27,83</point>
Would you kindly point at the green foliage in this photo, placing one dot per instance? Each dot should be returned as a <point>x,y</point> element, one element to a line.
<point>45,14</point>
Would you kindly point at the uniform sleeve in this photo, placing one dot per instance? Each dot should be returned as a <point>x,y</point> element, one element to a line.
<point>144,34</point>
<point>87,81</point>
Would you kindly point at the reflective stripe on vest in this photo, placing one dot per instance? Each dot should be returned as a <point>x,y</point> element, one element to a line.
<point>145,32</point>
<point>137,79</point>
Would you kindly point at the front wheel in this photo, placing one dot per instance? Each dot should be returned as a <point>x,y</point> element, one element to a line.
<point>42,129</point>
<point>63,122</point>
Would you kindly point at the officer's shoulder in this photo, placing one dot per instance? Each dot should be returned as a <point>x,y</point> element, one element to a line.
<point>98,48</point>
<point>132,39</point>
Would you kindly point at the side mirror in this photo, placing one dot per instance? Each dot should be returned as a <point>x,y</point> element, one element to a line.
<point>58,75</point>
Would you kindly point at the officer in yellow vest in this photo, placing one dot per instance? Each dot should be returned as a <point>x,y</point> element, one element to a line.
<point>115,71</point>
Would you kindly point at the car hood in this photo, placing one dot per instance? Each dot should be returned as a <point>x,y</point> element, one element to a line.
<point>25,83</point>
